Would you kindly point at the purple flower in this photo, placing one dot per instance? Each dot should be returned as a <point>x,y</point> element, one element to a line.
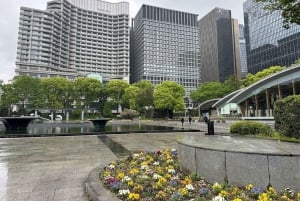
<point>203,191</point>
<point>173,183</point>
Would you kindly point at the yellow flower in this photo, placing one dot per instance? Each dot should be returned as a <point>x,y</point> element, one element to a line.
<point>133,171</point>
<point>160,195</point>
<point>235,191</point>
<point>285,198</point>
<point>162,181</point>
<point>130,183</point>
<point>237,199</point>
<point>138,188</point>
<point>121,175</point>
<point>263,197</point>
<point>298,197</point>
<point>216,187</point>
<point>134,196</point>
<point>272,191</point>
<point>183,191</point>
<point>187,180</point>
<point>223,193</point>
<point>249,187</point>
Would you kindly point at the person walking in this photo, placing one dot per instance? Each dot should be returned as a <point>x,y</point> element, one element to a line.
<point>182,121</point>
<point>190,119</point>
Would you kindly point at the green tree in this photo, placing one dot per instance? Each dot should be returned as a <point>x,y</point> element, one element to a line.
<point>58,92</point>
<point>144,97</point>
<point>8,98</point>
<point>250,78</point>
<point>86,90</point>
<point>24,91</point>
<point>115,90</point>
<point>208,90</point>
<point>129,97</point>
<point>289,8</point>
<point>168,96</point>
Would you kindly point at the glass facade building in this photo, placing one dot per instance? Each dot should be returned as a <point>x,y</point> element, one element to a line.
<point>74,38</point>
<point>267,42</point>
<point>243,53</point>
<point>165,46</point>
<point>219,46</point>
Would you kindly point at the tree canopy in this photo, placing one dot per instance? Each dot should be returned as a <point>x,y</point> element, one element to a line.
<point>169,96</point>
<point>289,8</point>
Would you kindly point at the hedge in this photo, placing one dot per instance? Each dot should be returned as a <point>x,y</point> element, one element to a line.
<point>250,128</point>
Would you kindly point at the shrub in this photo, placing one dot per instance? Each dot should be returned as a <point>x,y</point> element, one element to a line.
<point>287,116</point>
<point>250,128</point>
<point>129,114</point>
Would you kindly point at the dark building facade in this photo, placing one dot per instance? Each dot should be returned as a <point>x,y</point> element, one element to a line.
<point>267,42</point>
<point>243,52</point>
<point>218,46</point>
<point>165,46</point>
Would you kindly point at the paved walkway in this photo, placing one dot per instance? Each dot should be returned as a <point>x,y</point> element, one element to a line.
<point>55,168</point>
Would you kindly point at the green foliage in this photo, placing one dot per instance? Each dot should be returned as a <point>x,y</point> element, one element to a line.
<point>108,107</point>
<point>129,97</point>
<point>250,128</point>
<point>129,114</point>
<point>289,10</point>
<point>115,89</point>
<point>208,90</point>
<point>287,116</point>
<point>58,91</point>
<point>86,90</point>
<point>169,96</point>
<point>250,78</point>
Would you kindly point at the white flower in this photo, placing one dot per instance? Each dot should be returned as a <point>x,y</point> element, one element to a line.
<point>189,187</point>
<point>144,167</point>
<point>218,198</point>
<point>135,155</point>
<point>143,176</point>
<point>170,161</point>
<point>124,191</point>
<point>156,163</point>
<point>126,178</point>
<point>173,150</point>
<point>171,171</point>
<point>156,176</point>
<point>111,167</point>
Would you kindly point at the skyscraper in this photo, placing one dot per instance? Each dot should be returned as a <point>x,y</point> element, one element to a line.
<point>165,46</point>
<point>267,42</point>
<point>74,37</point>
<point>219,46</point>
<point>243,53</point>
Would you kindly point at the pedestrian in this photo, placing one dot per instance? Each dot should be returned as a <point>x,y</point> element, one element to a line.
<point>182,121</point>
<point>190,119</point>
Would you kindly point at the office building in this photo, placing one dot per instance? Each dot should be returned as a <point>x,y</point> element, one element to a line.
<point>243,53</point>
<point>74,38</point>
<point>267,42</point>
<point>165,46</point>
<point>219,46</point>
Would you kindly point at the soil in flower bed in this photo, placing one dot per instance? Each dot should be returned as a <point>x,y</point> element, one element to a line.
<point>157,177</point>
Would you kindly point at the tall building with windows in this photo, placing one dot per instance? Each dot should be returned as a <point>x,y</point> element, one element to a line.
<point>165,46</point>
<point>243,53</point>
<point>74,38</point>
<point>267,42</point>
<point>219,46</point>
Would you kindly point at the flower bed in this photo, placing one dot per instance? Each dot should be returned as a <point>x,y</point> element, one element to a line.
<point>157,176</point>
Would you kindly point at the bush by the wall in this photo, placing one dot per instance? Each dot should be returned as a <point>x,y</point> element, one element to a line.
<point>250,128</point>
<point>287,116</point>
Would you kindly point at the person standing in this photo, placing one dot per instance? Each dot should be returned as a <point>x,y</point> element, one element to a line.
<point>182,121</point>
<point>190,119</point>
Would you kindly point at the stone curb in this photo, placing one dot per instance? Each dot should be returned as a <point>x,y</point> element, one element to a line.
<point>95,190</point>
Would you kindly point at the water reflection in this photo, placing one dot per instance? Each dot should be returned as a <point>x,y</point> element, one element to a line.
<point>59,129</point>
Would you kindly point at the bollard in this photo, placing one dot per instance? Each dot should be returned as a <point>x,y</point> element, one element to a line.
<point>210,128</point>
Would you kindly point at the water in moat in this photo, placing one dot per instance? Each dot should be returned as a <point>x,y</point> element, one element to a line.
<point>61,128</point>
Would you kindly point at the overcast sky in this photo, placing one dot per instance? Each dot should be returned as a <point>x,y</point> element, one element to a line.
<point>10,9</point>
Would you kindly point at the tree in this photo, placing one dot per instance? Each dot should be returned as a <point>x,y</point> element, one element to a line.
<point>24,91</point>
<point>289,8</point>
<point>86,90</point>
<point>207,91</point>
<point>144,97</point>
<point>250,78</point>
<point>129,97</point>
<point>115,89</point>
<point>168,96</point>
<point>58,92</point>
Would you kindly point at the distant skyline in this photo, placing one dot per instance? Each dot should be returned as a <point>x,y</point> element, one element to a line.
<point>10,11</point>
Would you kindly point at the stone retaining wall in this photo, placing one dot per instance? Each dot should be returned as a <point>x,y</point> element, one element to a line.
<point>240,168</point>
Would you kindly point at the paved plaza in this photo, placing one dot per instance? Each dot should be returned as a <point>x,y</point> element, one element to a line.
<point>56,168</point>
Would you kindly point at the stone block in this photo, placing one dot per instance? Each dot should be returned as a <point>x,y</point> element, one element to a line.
<point>285,172</point>
<point>210,164</point>
<point>243,169</point>
<point>186,157</point>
